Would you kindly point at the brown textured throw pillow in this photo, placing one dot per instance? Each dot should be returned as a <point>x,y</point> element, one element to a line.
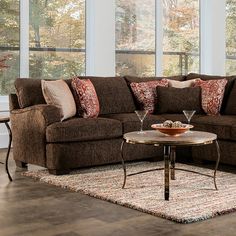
<point>175,100</point>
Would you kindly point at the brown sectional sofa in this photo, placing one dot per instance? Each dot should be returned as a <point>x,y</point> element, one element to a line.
<point>40,138</point>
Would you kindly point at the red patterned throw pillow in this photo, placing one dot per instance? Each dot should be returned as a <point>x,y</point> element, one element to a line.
<point>146,94</point>
<point>86,98</point>
<point>212,94</point>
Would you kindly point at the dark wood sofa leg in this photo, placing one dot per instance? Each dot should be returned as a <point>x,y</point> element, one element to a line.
<point>59,172</point>
<point>21,164</point>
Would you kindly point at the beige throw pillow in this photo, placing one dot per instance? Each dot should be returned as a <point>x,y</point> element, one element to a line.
<point>181,84</point>
<point>58,93</point>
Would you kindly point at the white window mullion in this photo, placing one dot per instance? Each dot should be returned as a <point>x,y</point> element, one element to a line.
<point>100,37</point>
<point>24,38</point>
<point>159,37</point>
<point>213,37</point>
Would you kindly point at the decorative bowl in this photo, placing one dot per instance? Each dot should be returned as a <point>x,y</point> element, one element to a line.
<point>172,131</point>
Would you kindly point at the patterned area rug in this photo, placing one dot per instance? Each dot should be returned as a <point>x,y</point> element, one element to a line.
<point>192,197</point>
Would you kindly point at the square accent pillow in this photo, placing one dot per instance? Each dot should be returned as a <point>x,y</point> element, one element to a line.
<point>58,93</point>
<point>212,95</point>
<point>175,100</point>
<point>146,93</point>
<point>86,98</point>
<point>181,84</point>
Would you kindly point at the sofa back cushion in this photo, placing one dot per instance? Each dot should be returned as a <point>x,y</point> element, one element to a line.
<point>137,79</point>
<point>29,92</point>
<point>113,94</point>
<point>228,86</point>
<point>230,108</point>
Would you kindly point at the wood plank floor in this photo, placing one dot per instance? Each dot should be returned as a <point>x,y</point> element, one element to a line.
<point>30,208</point>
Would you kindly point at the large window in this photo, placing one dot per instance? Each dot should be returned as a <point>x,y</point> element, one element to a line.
<point>231,37</point>
<point>135,37</point>
<point>9,44</point>
<point>57,38</point>
<point>181,36</point>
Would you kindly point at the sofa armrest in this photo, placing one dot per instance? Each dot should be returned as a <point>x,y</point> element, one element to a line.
<point>49,113</point>
<point>29,132</point>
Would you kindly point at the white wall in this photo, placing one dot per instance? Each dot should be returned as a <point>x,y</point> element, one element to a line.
<point>24,39</point>
<point>213,36</point>
<point>159,38</point>
<point>100,37</point>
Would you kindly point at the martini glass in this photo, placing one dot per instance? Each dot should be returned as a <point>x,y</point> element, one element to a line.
<point>141,115</point>
<point>189,114</point>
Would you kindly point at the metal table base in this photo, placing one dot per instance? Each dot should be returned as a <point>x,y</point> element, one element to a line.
<point>169,167</point>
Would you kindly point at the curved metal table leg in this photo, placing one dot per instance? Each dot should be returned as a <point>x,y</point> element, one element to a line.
<point>9,149</point>
<point>217,162</point>
<point>172,161</point>
<point>167,172</point>
<point>123,163</point>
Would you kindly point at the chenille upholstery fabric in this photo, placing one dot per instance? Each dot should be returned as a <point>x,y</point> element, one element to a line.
<point>130,121</point>
<point>24,87</point>
<point>175,100</point>
<point>83,129</point>
<point>223,126</point>
<point>137,79</point>
<point>29,127</point>
<point>29,130</point>
<point>113,94</point>
<point>230,108</point>
<point>13,102</point>
<point>90,153</point>
<point>233,131</point>
<point>208,152</point>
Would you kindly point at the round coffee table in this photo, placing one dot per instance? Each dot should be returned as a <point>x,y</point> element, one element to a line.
<point>156,138</point>
<point>5,120</point>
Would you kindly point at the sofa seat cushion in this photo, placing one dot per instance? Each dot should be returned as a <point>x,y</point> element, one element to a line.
<point>131,122</point>
<point>81,129</point>
<point>223,126</point>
